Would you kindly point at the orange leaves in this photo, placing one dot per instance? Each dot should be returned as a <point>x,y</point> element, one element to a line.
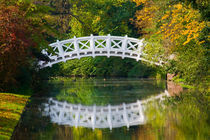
<point>179,24</point>
<point>184,23</point>
<point>139,2</point>
<point>178,6</point>
<point>165,17</point>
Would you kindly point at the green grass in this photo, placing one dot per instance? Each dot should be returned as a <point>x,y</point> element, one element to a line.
<point>11,108</point>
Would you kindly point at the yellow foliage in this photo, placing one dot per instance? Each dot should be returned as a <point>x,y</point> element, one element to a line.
<point>139,2</point>
<point>178,24</point>
<point>181,22</point>
<point>145,17</point>
<point>178,6</point>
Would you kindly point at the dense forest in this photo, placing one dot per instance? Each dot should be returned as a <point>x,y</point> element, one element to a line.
<point>177,31</point>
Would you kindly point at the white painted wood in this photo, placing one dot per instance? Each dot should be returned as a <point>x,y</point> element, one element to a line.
<point>77,48</point>
<point>60,49</point>
<point>108,45</point>
<point>124,45</point>
<point>92,45</point>
<point>140,49</point>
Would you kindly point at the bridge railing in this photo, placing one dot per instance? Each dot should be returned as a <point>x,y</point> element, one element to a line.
<point>77,48</point>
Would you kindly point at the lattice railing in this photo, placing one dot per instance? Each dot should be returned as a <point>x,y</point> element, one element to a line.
<point>76,48</point>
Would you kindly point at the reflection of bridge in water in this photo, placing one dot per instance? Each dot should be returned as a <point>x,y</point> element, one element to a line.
<point>98,116</point>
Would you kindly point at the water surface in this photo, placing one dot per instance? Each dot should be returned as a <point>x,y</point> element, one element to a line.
<point>115,92</point>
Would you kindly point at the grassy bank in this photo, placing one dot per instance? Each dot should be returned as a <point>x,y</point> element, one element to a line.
<point>11,108</point>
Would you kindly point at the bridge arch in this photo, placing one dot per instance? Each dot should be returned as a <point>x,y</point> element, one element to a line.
<point>76,48</point>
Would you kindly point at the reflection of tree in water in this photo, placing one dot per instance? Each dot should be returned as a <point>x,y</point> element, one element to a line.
<point>104,91</point>
<point>39,130</point>
<point>81,133</point>
<point>79,91</point>
<point>72,133</point>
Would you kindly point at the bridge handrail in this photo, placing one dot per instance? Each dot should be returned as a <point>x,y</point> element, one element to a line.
<point>76,48</point>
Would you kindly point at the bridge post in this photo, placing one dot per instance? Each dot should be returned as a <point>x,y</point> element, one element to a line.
<point>124,45</point>
<point>140,49</point>
<point>92,45</point>
<point>60,49</point>
<point>76,46</point>
<point>108,45</point>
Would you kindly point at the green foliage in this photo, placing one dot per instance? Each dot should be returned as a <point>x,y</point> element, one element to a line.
<point>192,63</point>
<point>105,67</point>
<point>112,66</point>
<point>177,35</point>
<point>154,48</point>
<point>82,67</point>
<point>102,17</point>
<point>115,20</point>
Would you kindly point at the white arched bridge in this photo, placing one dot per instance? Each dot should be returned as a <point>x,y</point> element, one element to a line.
<point>77,48</point>
<point>111,116</point>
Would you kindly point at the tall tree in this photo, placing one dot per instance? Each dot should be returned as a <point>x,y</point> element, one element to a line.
<point>15,43</point>
<point>24,26</point>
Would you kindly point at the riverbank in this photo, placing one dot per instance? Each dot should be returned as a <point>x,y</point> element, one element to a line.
<point>11,108</point>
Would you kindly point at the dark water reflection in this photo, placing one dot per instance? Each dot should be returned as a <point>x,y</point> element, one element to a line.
<point>87,92</point>
<point>104,91</point>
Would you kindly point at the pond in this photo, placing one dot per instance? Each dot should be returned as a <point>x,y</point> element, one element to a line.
<point>93,108</point>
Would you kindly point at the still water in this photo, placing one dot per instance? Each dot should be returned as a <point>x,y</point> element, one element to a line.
<point>90,109</point>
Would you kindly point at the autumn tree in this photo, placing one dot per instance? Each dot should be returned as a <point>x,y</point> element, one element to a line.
<point>176,34</point>
<point>23,29</point>
<point>15,43</point>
